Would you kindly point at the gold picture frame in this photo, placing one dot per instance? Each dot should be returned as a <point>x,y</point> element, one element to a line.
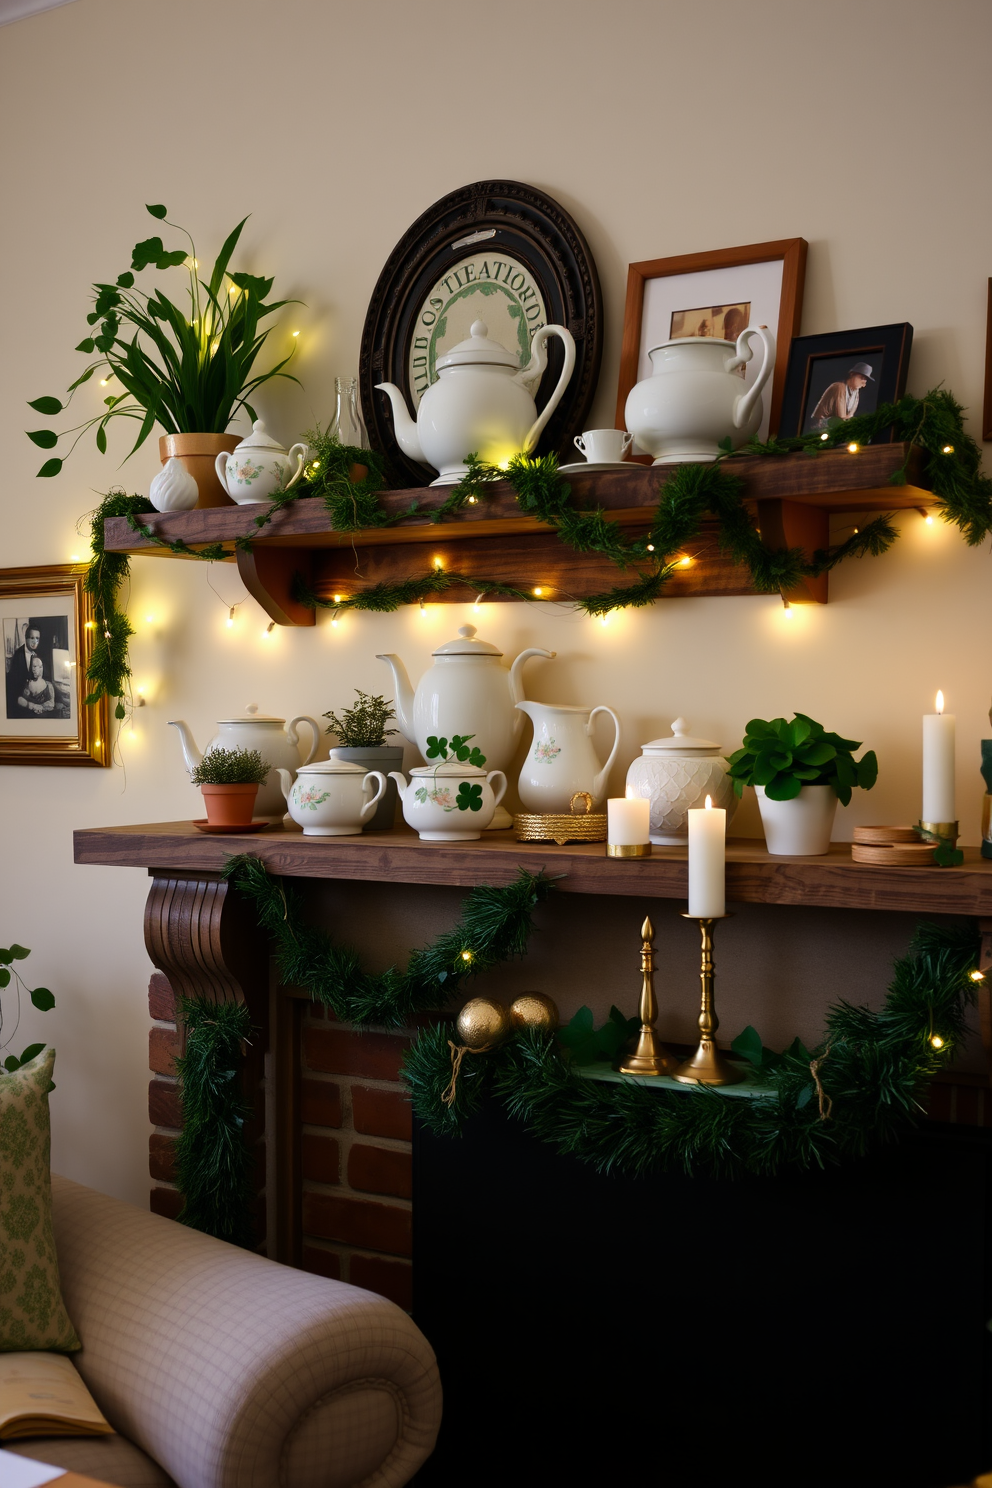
<point>44,719</point>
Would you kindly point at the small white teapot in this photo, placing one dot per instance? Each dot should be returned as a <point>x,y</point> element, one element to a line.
<point>259,467</point>
<point>483,401</point>
<point>331,798</point>
<point>269,735</point>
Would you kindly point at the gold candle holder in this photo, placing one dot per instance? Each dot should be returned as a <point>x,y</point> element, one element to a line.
<point>949,831</point>
<point>650,1056</point>
<point>707,1066</point>
<point>628,850</point>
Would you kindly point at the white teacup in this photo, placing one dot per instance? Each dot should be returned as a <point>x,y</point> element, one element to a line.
<point>604,446</point>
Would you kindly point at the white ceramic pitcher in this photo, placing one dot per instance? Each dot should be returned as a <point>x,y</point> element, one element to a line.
<point>561,759</point>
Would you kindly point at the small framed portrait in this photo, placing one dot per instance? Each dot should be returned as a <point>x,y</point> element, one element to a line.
<point>719,293</point>
<point>987,409</point>
<point>842,373</point>
<point>47,632</point>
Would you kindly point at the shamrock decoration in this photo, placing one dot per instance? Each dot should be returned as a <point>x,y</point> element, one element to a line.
<point>439,749</point>
<point>469,797</point>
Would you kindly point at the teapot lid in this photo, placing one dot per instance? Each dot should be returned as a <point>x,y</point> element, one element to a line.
<point>252,715</point>
<point>682,742</point>
<point>260,438</point>
<point>332,767</point>
<point>447,769</point>
<point>478,348</point>
<point>466,645</point>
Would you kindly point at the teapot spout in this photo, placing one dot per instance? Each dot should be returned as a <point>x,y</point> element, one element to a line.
<point>403,691</point>
<point>401,782</point>
<point>403,425</point>
<point>285,781</point>
<point>191,754</point>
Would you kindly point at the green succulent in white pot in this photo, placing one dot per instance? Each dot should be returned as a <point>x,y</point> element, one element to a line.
<point>799,772</point>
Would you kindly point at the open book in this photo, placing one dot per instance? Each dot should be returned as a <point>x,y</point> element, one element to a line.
<point>42,1395</point>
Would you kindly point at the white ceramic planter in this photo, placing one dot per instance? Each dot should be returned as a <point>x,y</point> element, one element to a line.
<point>435,805</point>
<point>332,798</point>
<point>676,775</point>
<point>799,828</point>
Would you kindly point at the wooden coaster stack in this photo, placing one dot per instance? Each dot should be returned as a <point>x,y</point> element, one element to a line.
<point>891,847</point>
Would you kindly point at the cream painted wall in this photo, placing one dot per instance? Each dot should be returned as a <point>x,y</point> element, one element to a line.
<point>664,128</point>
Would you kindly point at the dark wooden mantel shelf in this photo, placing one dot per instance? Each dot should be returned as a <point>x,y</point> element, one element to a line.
<point>399,856</point>
<point>792,496</point>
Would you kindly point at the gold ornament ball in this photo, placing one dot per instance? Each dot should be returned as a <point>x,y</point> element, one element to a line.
<point>534,1010</point>
<point>482,1021</point>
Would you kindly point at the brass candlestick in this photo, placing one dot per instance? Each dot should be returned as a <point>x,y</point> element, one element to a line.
<point>650,1057</point>
<point>707,1066</point>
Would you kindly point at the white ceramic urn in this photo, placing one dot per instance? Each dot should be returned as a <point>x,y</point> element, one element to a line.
<point>276,742</point>
<point>483,402</point>
<point>695,397</point>
<point>259,467</point>
<point>449,802</point>
<point>676,775</point>
<point>332,798</point>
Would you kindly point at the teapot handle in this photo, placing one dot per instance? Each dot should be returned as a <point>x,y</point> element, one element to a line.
<point>370,805</point>
<point>220,465</point>
<point>294,737</point>
<point>531,376</point>
<point>499,794</point>
<point>301,451</point>
<point>742,354</point>
<point>599,783</point>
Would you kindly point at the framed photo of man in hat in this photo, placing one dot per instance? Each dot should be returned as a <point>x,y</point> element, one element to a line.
<point>843,373</point>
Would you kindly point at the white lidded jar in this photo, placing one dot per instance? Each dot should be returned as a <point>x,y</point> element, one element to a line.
<point>676,775</point>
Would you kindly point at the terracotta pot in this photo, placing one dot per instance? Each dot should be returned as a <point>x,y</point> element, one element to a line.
<point>229,805</point>
<point>198,454</point>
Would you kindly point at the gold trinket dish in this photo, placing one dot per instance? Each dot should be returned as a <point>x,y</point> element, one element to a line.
<point>562,827</point>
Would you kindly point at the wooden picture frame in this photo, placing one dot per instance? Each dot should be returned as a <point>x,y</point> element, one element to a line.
<point>492,249</point>
<point>818,361</point>
<point>790,252</point>
<point>45,612</point>
<point>987,406</point>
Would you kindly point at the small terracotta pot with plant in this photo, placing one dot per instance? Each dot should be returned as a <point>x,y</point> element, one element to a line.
<point>229,781</point>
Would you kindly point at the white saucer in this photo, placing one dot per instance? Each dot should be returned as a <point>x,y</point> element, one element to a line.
<point>581,465</point>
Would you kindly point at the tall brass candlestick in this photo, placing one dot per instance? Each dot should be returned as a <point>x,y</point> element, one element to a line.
<point>707,1066</point>
<point>650,1057</point>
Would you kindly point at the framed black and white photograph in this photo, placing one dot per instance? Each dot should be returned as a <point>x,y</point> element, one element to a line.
<point>47,634</point>
<point>842,373</point>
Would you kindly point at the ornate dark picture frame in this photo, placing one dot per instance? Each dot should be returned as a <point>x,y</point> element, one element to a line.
<point>496,216</point>
<point>815,361</point>
<point>52,599</point>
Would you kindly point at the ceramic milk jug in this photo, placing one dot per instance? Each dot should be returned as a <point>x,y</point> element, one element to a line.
<point>259,467</point>
<point>482,401</point>
<point>274,742</point>
<point>561,760</point>
<point>695,397</point>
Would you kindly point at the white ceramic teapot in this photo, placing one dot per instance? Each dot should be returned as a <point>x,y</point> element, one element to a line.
<point>482,401</point>
<point>332,798</point>
<point>695,398</point>
<point>273,740</point>
<point>259,467</point>
<point>450,802</point>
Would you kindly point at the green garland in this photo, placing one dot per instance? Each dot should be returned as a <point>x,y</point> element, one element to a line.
<point>495,926</point>
<point>872,1068</point>
<point>213,1163</point>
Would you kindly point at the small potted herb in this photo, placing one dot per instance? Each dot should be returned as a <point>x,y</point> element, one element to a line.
<point>229,781</point>
<point>361,733</point>
<point>799,772</point>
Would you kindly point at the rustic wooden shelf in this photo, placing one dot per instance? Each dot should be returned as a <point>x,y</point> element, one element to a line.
<point>792,495</point>
<point>753,877</point>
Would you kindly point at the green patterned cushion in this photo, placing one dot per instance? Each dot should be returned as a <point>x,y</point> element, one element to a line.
<point>32,1313</point>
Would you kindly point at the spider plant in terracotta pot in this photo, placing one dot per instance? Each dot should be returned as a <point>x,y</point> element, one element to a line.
<point>229,781</point>
<point>189,369</point>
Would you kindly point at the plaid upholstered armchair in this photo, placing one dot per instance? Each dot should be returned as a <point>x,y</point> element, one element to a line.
<point>220,1369</point>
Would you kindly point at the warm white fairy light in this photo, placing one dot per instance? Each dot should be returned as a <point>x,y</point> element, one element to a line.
<point>936,1042</point>
<point>852,448</point>
<point>268,629</point>
<point>650,547</point>
<point>948,449</point>
<point>685,562</point>
<point>538,592</point>
<point>824,436</point>
<point>977,976</point>
<point>786,608</point>
<point>230,616</point>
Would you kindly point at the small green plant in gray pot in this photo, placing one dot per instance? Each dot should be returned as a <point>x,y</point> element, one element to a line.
<point>361,733</point>
<point>799,772</point>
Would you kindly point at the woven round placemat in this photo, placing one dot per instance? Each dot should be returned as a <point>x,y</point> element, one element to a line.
<point>894,854</point>
<point>560,826</point>
<point>880,836</point>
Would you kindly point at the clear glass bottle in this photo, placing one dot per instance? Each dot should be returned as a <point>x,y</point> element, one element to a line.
<point>347,427</point>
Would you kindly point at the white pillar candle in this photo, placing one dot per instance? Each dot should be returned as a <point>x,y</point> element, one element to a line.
<point>938,765</point>
<point>628,822</point>
<point>707,861</point>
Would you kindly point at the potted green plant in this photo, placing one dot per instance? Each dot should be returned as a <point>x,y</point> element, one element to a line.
<point>361,732</point>
<point>229,781</point>
<point>189,369</point>
<point>799,772</point>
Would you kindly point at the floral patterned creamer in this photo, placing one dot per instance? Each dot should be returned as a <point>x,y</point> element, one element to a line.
<point>332,798</point>
<point>259,468</point>
<point>449,802</point>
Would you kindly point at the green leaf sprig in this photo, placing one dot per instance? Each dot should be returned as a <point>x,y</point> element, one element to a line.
<point>40,997</point>
<point>784,756</point>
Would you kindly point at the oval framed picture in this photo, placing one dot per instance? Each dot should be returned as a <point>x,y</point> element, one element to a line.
<point>498,251</point>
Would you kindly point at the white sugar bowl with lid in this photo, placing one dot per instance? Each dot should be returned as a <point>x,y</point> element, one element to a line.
<point>332,798</point>
<point>676,775</point>
<point>259,467</point>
